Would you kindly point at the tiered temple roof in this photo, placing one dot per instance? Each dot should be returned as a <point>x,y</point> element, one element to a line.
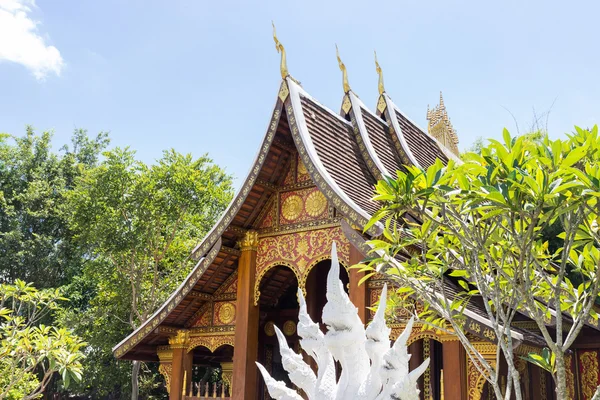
<point>344,154</point>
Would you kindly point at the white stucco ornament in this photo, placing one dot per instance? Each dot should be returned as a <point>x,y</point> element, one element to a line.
<point>371,368</point>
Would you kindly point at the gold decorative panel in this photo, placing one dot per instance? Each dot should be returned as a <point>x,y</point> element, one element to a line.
<point>212,342</point>
<point>224,313</point>
<point>303,205</point>
<point>300,251</point>
<point>589,373</point>
<point>205,318</point>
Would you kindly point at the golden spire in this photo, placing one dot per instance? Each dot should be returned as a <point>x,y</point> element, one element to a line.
<point>343,69</point>
<point>440,127</point>
<point>280,49</point>
<point>380,73</point>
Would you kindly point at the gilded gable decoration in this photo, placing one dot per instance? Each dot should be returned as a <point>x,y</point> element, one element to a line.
<point>300,251</point>
<point>440,127</point>
<point>303,205</point>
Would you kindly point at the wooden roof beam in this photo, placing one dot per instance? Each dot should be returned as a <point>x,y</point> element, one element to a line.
<point>238,230</point>
<point>271,187</point>
<point>289,147</point>
<point>185,310</point>
<point>217,270</point>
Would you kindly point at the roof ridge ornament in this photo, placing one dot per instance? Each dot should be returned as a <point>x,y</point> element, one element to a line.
<point>380,85</point>
<point>283,63</point>
<point>343,69</point>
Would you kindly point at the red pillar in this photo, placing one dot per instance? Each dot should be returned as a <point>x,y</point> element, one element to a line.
<point>179,364</point>
<point>455,370</point>
<point>358,293</point>
<point>246,324</point>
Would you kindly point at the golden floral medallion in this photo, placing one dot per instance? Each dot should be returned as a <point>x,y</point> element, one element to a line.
<point>227,313</point>
<point>269,328</point>
<point>292,207</point>
<point>315,204</point>
<point>289,328</point>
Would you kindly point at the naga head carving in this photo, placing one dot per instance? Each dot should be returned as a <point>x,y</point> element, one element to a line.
<point>313,338</point>
<point>377,333</point>
<point>346,339</point>
<point>298,371</point>
<point>395,360</point>
<point>344,327</point>
<point>277,389</point>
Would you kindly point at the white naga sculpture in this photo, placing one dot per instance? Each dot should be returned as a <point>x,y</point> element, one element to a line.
<point>371,369</point>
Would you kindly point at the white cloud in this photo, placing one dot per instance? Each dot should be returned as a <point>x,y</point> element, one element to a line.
<point>20,41</point>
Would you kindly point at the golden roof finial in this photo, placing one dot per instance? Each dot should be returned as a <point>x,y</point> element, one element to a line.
<point>280,49</point>
<point>441,100</point>
<point>343,69</point>
<point>380,73</point>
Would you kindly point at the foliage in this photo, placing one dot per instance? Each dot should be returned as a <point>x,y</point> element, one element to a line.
<point>138,224</point>
<point>480,227</point>
<point>35,242</point>
<point>475,147</point>
<point>30,353</point>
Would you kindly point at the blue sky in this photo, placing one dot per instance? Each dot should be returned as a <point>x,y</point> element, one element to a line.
<point>202,76</point>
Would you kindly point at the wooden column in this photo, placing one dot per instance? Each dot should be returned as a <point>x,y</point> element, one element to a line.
<point>455,370</point>
<point>246,325</point>
<point>188,363</point>
<point>179,362</point>
<point>416,358</point>
<point>358,293</point>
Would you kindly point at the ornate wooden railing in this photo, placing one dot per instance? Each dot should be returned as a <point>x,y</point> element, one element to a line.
<point>216,390</point>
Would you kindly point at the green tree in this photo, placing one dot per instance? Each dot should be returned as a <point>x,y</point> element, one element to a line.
<point>481,227</point>
<point>35,242</point>
<point>139,224</point>
<point>30,352</point>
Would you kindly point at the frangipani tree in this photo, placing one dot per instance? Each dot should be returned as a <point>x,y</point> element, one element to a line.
<point>31,353</point>
<point>481,224</point>
<point>371,369</point>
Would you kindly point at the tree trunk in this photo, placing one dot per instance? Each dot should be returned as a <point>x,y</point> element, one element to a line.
<point>135,371</point>
<point>561,376</point>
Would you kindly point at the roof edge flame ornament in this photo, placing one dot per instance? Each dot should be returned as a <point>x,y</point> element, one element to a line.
<point>380,84</point>
<point>343,69</point>
<point>283,63</point>
<point>281,50</point>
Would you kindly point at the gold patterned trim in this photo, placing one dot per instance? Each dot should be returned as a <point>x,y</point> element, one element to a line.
<point>212,343</point>
<point>161,314</point>
<point>165,370</point>
<point>215,234</point>
<point>240,197</point>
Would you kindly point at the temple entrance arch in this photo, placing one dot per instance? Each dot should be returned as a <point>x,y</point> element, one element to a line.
<point>278,306</point>
<point>211,369</point>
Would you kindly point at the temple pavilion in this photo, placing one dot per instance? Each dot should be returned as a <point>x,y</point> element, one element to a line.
<point>311,184</point>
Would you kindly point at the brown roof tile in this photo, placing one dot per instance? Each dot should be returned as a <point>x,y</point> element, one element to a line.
<point>423,147</point>
<point>336,147</point>
<point>379,135</point>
